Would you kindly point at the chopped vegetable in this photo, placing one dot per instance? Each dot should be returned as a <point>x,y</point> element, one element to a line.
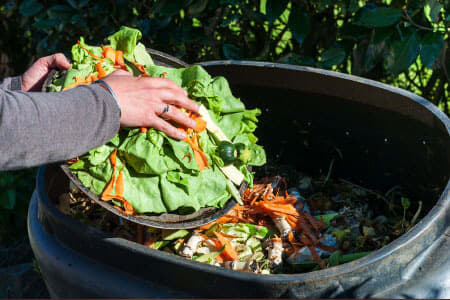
<point>100,70</point>
<point>119,58</point>
<point>109,52</point>
<point>229,252</point>
<point>192,245</point>
<point>227,151</point>
<point>210,257</point>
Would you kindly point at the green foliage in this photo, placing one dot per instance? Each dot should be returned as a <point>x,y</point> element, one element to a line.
<point>399,42</point>
<point>403,53</point>
<point>373,16</point>
<point>15,191</point>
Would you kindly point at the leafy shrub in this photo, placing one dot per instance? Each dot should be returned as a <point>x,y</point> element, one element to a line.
<point>399,42</point>
<point>404,43</point>
<point>15,191</point>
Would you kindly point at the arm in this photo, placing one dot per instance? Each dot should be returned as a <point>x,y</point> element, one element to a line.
<point>38,128</point>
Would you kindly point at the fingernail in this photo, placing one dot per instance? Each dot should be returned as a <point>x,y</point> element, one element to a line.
<point>185,92</point>
<point>193,124</point>
<point>182,135</point>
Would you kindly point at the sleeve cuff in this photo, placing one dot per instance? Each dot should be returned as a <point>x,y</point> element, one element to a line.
<point>112,107</point>
<point>16,83</point>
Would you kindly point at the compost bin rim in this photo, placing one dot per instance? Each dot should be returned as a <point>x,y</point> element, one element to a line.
<point>261,64</point>
<point>396,245</point>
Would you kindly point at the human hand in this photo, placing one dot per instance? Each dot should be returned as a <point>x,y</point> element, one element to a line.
<point>144,100</point>
<point>33,78</point>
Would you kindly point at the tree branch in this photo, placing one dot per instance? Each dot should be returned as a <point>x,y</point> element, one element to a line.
<point>414,23</point>
<point>430,84</point>
<point>419,73</point>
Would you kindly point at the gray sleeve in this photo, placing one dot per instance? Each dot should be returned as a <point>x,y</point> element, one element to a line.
<point>11,83</point>
<point>39,128</point>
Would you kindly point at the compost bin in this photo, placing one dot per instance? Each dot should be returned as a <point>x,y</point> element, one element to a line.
<point>386,136</point>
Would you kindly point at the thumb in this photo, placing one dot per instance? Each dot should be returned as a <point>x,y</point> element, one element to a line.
<point>57,60</point>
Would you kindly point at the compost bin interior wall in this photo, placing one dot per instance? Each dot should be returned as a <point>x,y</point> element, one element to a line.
<point>380,148</point>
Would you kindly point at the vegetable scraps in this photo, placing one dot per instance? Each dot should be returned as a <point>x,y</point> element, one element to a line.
<point>274,231</point>
<point>142,170</point>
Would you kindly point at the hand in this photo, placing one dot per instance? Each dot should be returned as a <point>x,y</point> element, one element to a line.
<point>144,100</point>
<point>33,78</point>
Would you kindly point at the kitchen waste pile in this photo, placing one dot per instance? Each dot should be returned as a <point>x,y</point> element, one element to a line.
<point>279,226</point>
<point>318,222</point>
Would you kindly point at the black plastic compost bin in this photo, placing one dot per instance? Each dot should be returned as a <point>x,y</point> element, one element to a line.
<point>386,136</point>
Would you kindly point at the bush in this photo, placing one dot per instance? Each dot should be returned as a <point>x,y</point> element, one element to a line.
<point>399,42</point>
<point>404,43</point>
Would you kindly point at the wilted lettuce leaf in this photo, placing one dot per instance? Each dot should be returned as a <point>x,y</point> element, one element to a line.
<point>125,40</point>
<point>95,185</point>
<point>141,55</point>
<point>145,157</point>
<point>81,57</point>
<point>258,155</point>
<point>221,89</point>
<point>231,124</point>
<point>143,192</point>
<point>100,154</point>
<point>183,153</point>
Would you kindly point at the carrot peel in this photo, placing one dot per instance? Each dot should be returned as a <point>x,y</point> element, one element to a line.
<point>228,252</point>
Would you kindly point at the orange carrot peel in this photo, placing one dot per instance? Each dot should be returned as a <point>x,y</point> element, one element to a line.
<point>119,184</point>
<point>228,252</point>
<point>100,70</point>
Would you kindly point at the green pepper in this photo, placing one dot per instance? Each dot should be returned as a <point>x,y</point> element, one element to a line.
<point>227,152</point>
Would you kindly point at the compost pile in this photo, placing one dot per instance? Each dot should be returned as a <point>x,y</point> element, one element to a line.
<point>320,222</point>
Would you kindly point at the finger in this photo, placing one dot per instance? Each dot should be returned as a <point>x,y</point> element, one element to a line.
<point>161,83</point>
<point>121,73</point>
<point>57,60</point>
<point>166,127</point>
<point>178,99</point>
<point>174,114</point>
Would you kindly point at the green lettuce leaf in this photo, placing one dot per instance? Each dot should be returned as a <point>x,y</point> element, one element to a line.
<point>81,57</point>
<point>231,124</point>
<point>145,157</point>
<point>141,55</point>
<point>229,104</point>
<point>143,192</point>
<point>125,40</point>
<point>258,156</point>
